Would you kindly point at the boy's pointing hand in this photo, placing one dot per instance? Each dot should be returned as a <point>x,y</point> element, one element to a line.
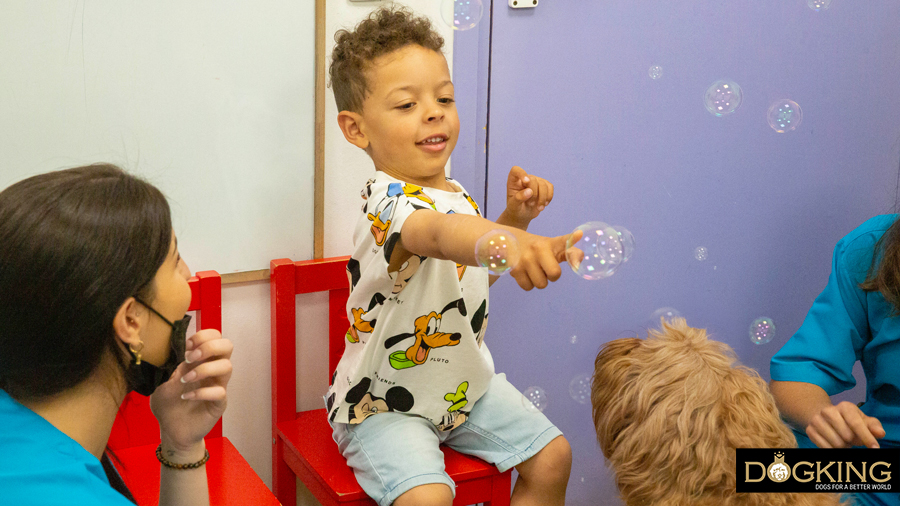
<point>539,260</point>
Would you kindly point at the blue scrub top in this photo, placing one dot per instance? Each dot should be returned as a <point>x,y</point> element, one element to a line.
<point>846,324</point>
<point>39,465</point>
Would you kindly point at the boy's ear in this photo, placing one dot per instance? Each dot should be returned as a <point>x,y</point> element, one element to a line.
<point>351,126</point>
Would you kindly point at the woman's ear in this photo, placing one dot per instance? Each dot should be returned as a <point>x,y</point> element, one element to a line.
<point>127,322</point>
<point>351,126</point>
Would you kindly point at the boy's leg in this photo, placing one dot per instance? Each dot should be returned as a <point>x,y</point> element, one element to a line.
<point>543,478</point>
<point>502,431</point>
<point>396,457</point>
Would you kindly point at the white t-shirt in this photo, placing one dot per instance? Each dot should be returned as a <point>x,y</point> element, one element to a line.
<point>415,344</point>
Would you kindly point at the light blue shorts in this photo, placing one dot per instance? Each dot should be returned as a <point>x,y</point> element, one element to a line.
<point>391,453</point>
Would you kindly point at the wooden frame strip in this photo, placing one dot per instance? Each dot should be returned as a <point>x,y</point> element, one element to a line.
<point>319,192</point>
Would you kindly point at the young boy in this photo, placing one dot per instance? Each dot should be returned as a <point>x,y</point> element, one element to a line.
<point>415,373</point>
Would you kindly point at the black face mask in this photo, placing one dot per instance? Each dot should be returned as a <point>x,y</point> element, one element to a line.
<point>146,377</point>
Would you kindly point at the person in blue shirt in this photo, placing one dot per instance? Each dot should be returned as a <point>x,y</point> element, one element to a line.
<point>853,319</point>
<point>93,295</point>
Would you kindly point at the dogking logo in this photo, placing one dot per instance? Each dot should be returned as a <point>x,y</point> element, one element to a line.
<point>817,470</point>
<point>779,471</point>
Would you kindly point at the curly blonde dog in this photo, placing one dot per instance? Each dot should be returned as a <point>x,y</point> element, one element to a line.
<point>669,412</point>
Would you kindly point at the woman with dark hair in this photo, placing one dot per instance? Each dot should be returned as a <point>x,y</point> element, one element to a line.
<point>853,319</point>
<point>93,295</point>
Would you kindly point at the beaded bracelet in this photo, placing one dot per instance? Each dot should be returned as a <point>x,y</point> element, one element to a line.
<point>180,467</point>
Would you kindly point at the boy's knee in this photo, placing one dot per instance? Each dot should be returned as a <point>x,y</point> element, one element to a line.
<point>551,465</point>
<point>433,494</point>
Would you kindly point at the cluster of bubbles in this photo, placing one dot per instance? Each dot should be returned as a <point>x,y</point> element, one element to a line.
<point>498,250</point>
<point>462,14</point>
<point>818,5</point>
<point>701,253</point>
<point>762,330</point>
<point>535,399</point>
<point>724,97</point>
<point>655,72</point>
<point>595,250</point>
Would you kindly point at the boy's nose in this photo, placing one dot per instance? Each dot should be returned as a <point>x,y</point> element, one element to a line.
<point>435,115</point>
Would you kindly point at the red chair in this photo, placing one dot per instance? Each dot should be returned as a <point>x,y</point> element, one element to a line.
<point>303,447</point>
<point>135,433</point>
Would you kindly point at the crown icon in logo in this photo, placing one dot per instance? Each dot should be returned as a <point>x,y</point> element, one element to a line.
<point>778,471</point>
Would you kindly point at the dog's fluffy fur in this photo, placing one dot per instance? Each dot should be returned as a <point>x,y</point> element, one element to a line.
<point>669,412</point>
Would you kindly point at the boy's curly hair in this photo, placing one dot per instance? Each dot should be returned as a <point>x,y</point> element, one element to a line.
<point>670,410</point>
<point>384,31</point>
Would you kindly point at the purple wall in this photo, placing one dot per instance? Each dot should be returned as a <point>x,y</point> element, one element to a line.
<point>571,100</point>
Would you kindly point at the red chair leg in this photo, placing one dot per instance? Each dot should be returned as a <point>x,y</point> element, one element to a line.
<point>501,489</point>
<point>284,483</point>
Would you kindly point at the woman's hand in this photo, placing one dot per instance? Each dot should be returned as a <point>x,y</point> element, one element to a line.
<point>843,426</point>
<point>192,401</point>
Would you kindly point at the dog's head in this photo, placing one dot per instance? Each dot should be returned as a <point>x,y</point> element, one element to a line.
<point>669,412</point>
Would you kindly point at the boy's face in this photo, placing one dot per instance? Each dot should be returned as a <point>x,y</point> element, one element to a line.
<point>409,117</point>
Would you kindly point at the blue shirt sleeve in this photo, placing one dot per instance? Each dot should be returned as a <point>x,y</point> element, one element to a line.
<point>836,329</point>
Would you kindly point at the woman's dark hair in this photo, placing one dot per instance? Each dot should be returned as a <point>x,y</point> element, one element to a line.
<point>74,245</point>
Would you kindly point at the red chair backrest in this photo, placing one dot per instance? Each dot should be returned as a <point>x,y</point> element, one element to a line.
<point>288,279</point>
<point>135,424</point>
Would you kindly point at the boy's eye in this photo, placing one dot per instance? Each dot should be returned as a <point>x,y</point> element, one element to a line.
<point>406,106</point>
<point>446,100</point>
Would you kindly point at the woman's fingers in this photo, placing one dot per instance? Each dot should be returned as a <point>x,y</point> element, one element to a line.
<point>858,423</point>
<point>220,369</point>
<point>817,438</point>
<point>213,393</point>
<point>844,425</point>
<point>838,420</point>
<point>827,437</point>
<point>208,345</point>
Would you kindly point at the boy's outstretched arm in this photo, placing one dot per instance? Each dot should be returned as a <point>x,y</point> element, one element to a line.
<point>453,237</point>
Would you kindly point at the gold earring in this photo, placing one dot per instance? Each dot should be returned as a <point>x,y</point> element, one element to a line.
<point>137,353</point>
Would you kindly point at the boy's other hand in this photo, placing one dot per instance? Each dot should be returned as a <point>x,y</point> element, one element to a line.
<point>526,195</point>
<point>539,260</point>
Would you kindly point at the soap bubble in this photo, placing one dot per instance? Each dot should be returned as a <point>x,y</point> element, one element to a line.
<point>535,399</point>
<point>818,5</point>
<point>723,97</point>
<point>580,389</point>
<point>784,115</point>
<point>627,240</point>
<point>663,313</point>
<point>762,330</point>
<point>655,72</point>
<point>701,253</point>
<point>498,250</point>
<point>597,254</point>
<point>462,14</point>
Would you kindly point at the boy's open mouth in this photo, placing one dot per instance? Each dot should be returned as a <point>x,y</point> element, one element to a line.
<point>434,143</point>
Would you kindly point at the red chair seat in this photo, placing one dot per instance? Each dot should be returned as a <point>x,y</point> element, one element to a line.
<point>312,453</point>
<point>231,479</point>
